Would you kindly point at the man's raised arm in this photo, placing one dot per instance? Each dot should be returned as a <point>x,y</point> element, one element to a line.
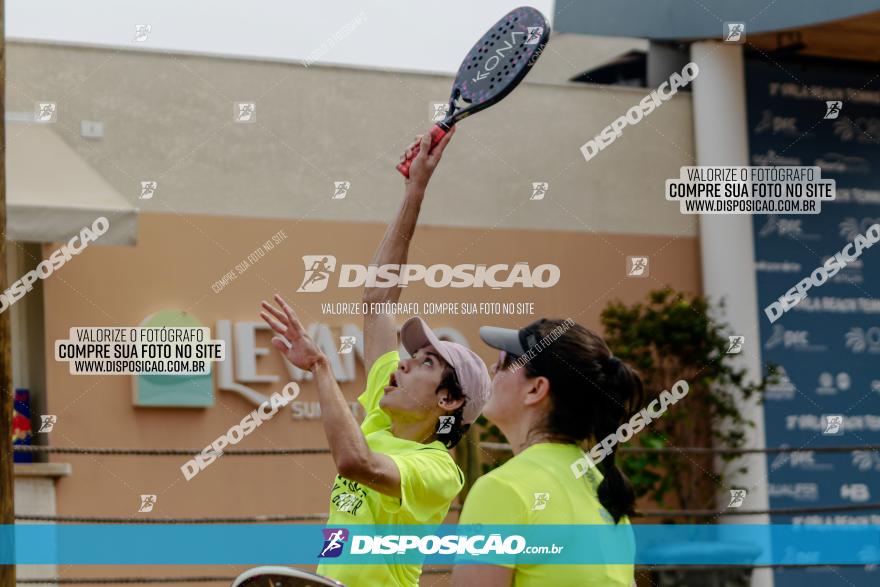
<point>380,329</point>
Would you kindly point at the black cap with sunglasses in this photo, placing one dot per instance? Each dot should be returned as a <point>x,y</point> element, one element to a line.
<point>527,341</point>
<point>514,342</point>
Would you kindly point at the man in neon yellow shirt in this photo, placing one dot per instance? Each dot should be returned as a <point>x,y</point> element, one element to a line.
<point>395,467</point>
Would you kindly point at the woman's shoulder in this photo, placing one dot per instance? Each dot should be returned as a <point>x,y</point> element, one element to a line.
<point>504,474</point>
<point>495,497</point>
<point>516,473</point>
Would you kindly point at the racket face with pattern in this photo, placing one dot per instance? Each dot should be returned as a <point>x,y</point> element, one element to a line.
<point>493,67</point>
<point>499,61</point>
<point>276,576</point>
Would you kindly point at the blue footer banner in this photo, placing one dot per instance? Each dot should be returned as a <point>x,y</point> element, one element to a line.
<point>259,544</point>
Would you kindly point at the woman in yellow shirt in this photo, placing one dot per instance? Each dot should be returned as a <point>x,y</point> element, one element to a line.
<point>555,385</point>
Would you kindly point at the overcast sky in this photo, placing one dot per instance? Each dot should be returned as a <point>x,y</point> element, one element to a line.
<point>397,34</point>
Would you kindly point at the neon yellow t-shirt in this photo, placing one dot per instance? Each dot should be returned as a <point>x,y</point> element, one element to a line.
<point>429,481</point>
<point>538,487</point>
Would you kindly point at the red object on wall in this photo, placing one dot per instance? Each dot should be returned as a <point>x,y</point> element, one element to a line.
<point>21,424</point>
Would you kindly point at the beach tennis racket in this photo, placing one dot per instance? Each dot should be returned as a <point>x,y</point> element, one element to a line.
<point>274,576</point>
<point>491,69</point>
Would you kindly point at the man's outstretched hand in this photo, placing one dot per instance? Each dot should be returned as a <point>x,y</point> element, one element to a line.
<point>425,163</point>
<point>293,342</point>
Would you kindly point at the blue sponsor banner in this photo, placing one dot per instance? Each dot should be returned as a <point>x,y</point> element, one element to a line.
<point>827,114</point>
<point>262,544</point>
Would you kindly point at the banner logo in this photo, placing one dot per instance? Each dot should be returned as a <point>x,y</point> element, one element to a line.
<point>501,275</point>
<point>334,540</point>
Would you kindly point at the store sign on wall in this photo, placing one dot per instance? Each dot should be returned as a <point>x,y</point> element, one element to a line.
<point>192,391</point>
<point>238,371</point>
<point>241,339</point>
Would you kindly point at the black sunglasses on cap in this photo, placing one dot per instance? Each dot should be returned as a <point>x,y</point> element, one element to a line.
<point>516,343</point>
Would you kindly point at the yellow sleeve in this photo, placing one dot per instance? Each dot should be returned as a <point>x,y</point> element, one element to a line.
<point>429,481</point>
<point>377,379</point>
<point>493,501</point>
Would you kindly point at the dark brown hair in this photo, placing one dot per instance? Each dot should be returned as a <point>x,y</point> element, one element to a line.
<point>592,394</point>
<point>450,384</point>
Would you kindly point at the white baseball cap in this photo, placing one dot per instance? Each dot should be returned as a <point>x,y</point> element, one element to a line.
<point>470,370</point>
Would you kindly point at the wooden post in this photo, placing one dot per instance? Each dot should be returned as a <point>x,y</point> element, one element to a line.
<point>7,393</point>
<point>472,461</point>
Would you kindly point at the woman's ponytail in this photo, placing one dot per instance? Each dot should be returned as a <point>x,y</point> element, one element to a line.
<point>592,394</point>
<point>615,492</point>
<point>625,393</point>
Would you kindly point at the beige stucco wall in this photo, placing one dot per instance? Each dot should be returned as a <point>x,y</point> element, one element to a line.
<point>169,118</point>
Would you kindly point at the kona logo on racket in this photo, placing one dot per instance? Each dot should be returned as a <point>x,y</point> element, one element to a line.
<point>492,62</point>
<point>320,267</point>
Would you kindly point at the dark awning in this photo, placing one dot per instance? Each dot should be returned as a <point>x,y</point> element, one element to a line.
<point>692,19</point>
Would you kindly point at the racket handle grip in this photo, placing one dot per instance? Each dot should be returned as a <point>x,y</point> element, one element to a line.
<point>437,133</point>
